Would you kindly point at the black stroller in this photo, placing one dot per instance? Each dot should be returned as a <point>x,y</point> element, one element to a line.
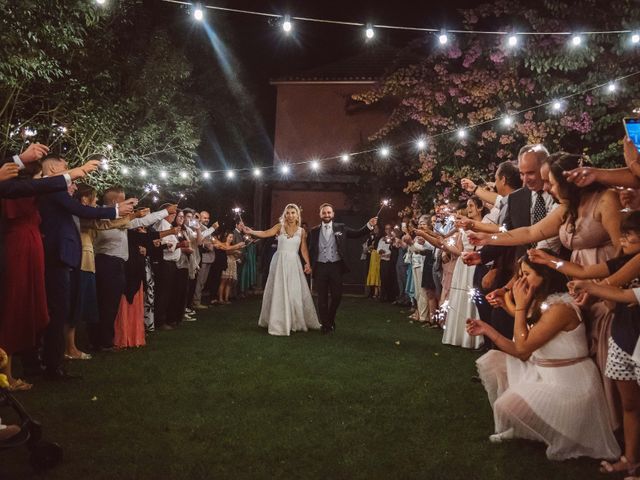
<point>44,455</point>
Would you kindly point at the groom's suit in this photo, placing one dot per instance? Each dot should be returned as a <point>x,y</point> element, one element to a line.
<point>328,252</point>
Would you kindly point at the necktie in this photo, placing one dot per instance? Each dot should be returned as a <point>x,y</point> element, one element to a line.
<point>327,231</point>
<point>539,209</point>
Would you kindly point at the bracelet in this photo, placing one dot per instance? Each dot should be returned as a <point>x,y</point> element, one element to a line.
<point>476,188</point>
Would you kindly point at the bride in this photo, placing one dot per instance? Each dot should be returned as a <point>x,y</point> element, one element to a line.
<point>287,305</point>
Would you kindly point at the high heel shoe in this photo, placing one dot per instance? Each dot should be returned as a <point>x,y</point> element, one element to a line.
<point>502,436</point>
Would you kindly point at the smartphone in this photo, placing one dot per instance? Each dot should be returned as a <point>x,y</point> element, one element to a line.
<point>632,126</point>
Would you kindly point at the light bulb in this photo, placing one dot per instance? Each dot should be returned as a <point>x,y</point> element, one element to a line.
<point>257,172</point>
<point>369,32</point>
<point>512,41</point>
<point>443,39</point>
<point>345,157</point>
<point>576,40</point>
<point>231,174</point>
<point>198,14</point>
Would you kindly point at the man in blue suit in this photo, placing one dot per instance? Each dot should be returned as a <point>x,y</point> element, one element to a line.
<point>63,252</point>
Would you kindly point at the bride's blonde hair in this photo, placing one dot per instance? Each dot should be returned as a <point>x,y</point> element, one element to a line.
<point>294,207</point>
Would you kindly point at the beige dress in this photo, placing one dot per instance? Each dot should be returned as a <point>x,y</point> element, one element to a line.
<point>590,245</point>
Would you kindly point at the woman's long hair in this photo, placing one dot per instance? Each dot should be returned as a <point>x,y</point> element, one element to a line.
<point>552,282</point>
<point>294,207</point>
<point>561,162</point>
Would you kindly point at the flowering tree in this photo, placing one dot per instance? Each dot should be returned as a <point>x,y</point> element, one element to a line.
<point>475,79</point>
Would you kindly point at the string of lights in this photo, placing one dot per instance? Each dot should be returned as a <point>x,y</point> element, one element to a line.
<point>513,38</point>
<point>508,120</point>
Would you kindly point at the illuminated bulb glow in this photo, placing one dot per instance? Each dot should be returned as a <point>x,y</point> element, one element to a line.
<point>163,174</point>
<point>384,152</point>
<point>183,174</point>
<point>443,39</point>
<point>345,158</point>
<point>512,41</point>
<point>635,38</point>
<point>576,40</point>
<point>369,32</point>
<point>507,121</point>
<point>611,87</point>
<point>315,165</point>
<point>198,14</point>
<point>286,26</point>
<point>257,172</point>
<point>462,133</point>
<point>557,105</point>
<point>109,146</point>
<point>124,171</point>
<point>231,174</point>
<point>206,175</point>
<point>143,172</point>
<point>284,169</point>
<point>421,144</point>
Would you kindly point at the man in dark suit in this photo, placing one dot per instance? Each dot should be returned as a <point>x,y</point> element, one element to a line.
<point>525,207</point>
<point>63,252</point>
<point>328,252</point>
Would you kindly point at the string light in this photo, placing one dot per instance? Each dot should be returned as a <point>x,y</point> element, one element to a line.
<point>443,38</point>
<point>369,33</point>
<point>512,41</point>
<point>344,157</point>
<point>163,174</point>
<point>611,87</point>
<point>183,174</point>
<point>231,174</point>
<point>124,171</point>
<point>206,175</point>
<point>143,172</point>
<point>100,2</point>
<point>286,25</point>
<point>507,121</point>
<point>462,133</point>
<point>576,40</point>
<point>198,14</point>
<point>315,165</point>
<point>384,152</point>
<point>257,172</point>
<point>556,105</point>
<point>635,38</point>
<point>421,144</point>
<point>284,169</point>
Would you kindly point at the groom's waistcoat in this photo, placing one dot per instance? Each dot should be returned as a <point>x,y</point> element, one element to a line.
<point>327,247</point>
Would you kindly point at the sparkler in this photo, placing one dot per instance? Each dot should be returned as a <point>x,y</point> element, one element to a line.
<point>558,264</point>
<point>238,211</point>
<point>384,203</point>
<point>150,187</point>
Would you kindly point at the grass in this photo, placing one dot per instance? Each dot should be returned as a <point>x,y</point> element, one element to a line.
<point>382,398</point>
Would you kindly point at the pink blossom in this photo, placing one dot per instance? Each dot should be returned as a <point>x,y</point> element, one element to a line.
<point>497,56</point>
<point>454,52</point>
<point>460,153</point>
<point>441,98</point>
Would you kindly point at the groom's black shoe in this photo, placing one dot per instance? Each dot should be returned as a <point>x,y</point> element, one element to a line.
<point>324,329</point>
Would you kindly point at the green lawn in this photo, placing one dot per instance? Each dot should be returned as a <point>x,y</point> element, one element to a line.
<point>219,398</point>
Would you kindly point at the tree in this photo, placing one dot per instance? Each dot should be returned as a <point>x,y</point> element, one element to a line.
<point>478,78</point>
<point>86,79</point>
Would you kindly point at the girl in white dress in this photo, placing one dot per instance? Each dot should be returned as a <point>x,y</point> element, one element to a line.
<point>542,385</point>
<point>461,295</point>
<point>287,305</point>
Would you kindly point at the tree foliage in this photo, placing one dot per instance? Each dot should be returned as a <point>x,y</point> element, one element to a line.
<point>87,79</point>
<point>478,78</point>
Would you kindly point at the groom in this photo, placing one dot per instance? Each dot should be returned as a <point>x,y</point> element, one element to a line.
<point>328,252</point>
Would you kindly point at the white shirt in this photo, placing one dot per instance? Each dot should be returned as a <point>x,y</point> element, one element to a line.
<point>386,248</point>
<point>114,242</point>
<point>171,253</point>
<point>550,204</point>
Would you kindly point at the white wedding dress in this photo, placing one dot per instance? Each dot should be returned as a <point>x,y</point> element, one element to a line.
<point>287,305</point>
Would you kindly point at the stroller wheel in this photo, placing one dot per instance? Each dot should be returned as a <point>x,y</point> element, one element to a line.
<point>45,455</point>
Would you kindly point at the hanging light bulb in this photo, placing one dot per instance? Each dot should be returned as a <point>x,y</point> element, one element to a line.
<point>635,38</point>
<point>286,25</point>
<point>443,38</point>
<point>369,33</point>
<point>285,169</point>
<point>576,40</point>
<point>257,172</point>
<point>384,152</point>
<point>507,121</point>
<point>143,172</point>
<point>198,13</point>
<point>315,165</point>
<point>556,105</point>
<point>231,174</point>
<point>101,2</point>
<point>124,171</point>
<point>462,133</point>
<point>611,87</point>
<point>512,41</point>
<point>206,175</point>
<point>345,157</point>
<point>421,144</point>
<point>163,174</point>
<point>183,174</point>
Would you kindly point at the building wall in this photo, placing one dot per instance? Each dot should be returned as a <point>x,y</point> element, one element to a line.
<point>312,120</point>
<point>308,201</point>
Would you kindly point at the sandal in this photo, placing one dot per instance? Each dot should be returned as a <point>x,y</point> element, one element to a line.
<point>82,356</point>
<point>19,386</point>
<point>622,465</point>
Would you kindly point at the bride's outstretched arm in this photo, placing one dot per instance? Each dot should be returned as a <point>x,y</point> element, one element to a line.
<point>272,232</point>
<point>304,249</point>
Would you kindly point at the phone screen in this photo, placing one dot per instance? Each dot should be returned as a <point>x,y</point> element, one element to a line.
<point>632,125</point>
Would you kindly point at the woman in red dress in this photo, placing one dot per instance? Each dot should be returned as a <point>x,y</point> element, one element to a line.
<point>24,303</point>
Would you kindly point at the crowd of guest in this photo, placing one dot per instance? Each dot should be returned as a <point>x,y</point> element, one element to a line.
<point>119,270</point>
<point>541,270</point>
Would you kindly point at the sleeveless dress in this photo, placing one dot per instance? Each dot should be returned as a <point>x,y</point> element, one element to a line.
<point>590,244</point>
<point>461,305</point>
<point>287,305</point>
<point>555,397</point>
